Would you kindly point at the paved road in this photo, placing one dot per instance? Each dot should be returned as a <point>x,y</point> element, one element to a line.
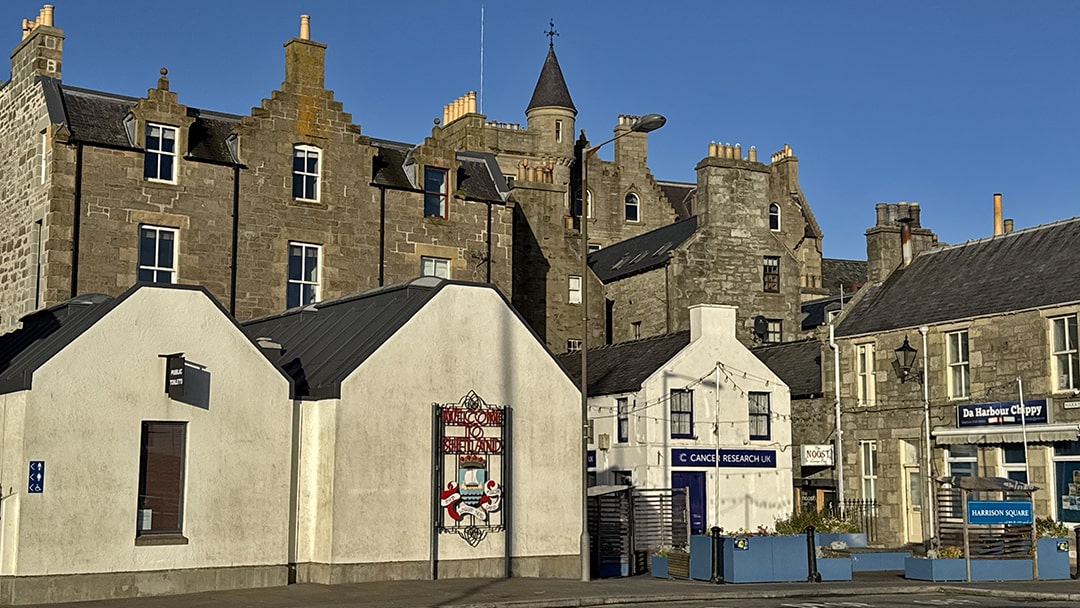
<point>934,600</point>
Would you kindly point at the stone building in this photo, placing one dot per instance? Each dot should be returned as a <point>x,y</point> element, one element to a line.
<point>980,324</point>
<point>292,203</point>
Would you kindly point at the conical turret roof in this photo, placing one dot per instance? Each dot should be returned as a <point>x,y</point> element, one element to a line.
<point>550,87</point>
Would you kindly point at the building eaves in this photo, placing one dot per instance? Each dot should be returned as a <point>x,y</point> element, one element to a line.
<point>623,367</point>
<point>1023,270</point>
<point>641,253</point>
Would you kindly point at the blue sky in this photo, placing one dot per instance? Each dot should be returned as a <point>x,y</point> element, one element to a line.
<point>943,103</point>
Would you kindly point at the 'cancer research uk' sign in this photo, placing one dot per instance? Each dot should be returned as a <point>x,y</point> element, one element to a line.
<point>1006,413</point>
<point>728,458</point>
<point>982,512</point>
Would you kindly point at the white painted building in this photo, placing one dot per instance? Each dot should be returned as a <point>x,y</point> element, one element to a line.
<point>659,421</point>
<point>113,487</point>
<point>376,466</point>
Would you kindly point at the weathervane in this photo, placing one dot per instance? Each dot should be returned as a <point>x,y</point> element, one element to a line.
<point>551,33</point>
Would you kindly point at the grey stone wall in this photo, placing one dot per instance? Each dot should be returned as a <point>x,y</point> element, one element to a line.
<point>640,299</point>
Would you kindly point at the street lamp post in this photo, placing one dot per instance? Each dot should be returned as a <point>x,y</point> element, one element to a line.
<point>644,124</point>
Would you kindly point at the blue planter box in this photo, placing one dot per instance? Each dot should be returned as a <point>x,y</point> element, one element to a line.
<point>854,540</point>
<point>1001,569</point>
<point>700,557</point>
<point>923,569</point>
<point>1053,563</point>
<point>834,568</point>
<point>658,566</point>
<point>878,561</point>
<point>765,559</point>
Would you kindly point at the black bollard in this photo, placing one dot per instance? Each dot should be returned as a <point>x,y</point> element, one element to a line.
<point>812,575</point>
<point>717,556</point>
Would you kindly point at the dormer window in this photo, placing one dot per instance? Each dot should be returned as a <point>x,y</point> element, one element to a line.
<point>159,161</point>
<point>435,192</point>
<point>774,217</point>
<point>306,172</point>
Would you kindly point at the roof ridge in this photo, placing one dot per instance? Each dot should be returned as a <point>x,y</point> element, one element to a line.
<point>998,237</point>
<point>668,335</point>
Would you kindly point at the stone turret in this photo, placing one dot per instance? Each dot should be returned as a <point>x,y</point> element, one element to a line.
<point>551,112</point>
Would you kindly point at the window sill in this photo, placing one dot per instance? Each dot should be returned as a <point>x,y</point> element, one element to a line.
<point>160,182</point>
<point>153,540</point>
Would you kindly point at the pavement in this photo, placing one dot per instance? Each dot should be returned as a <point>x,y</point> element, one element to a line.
<point>561,593</point>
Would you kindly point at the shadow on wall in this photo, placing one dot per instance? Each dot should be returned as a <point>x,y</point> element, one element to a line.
<point>196,386</point>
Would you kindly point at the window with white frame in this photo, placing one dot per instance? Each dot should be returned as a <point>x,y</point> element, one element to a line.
<point>682,414</point>
<point>633,207</point>
<point>436,198</point>
<point>774,217</point>
<point>770,274</point>
<point>307,166</point>
<point>622,409</point>
<point>1014,462</point>
<point>573,346</point>
<point>574,288</point>
<point>434,267</point>
<point>157,254</point>
<point>760,411</point>
<point>558,131</point>
<point>592,431</point>
<point>959,365</point>
<point>962,460</point>
<point>774,331</point>
<point>864,374</point>
<point>302,285</point>
<point>1064,361</point>
<point>159,158</point>
<point>868,466</point>
<point>594,247</point>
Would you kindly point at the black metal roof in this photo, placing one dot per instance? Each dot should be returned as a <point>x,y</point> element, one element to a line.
<point>321,344</point>
<point>478,177</point>
<point>95,117</point>
<point>680,195</point>
<point>815,312</point>
<point>641,253</point>
<point>551,87</point>
<point>46,332</point>
<point>1022,270</point>
<point>850,274</point>
<point>621,368</point>
<point>797,363</point>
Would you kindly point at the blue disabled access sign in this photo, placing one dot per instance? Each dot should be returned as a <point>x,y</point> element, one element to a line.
<point>695,457</point>
<point>981,512</point>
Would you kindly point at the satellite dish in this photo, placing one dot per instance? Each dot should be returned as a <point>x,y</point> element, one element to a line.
<point>761,327</point>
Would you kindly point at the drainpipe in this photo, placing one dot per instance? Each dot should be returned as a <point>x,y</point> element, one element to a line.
<point>839,459</point>
<point>235,238</point>
<point>382,234</point>
<point>489,244</point>
<point>77,220</point>
<point>928,502</point>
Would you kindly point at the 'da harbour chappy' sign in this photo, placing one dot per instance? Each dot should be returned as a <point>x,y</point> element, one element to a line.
<point>471,446</point>
<point>1004,413</point>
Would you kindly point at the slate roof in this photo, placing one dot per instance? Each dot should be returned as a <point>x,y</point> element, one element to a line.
<point>642,253</point>
<point>478,177</point>
<point>621,368</point>
<point>1022,270</point>
<point>680,195</point>
<point>849,273</point>
<point>551,87</point>
<point>816,311</point>
<point>797,363</point>
<point>96,117</point>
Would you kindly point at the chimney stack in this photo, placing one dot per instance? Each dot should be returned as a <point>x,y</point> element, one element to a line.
<point>1008,226</point>
<point>998,228</point>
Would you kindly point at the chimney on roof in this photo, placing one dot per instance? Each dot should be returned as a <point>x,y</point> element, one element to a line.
<point>998,228</point>
<point>712,320</point>
<point>1008,226</point>
<point>905,241</point>
<point>39,53</point>
<point>304,59</point>
<point>305,27</point>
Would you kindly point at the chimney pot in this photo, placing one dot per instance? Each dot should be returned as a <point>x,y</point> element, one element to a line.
<point>305,27</point>
<point>905,240</point>
<point>1007,226</point>
<point>998,228</point>
<point>46,17</point>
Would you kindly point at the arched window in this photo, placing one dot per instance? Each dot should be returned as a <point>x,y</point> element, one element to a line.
<point>633,207</point>
<point>774,217</point>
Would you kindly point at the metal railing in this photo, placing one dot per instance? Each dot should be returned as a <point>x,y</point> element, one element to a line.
<point>862,512</point>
